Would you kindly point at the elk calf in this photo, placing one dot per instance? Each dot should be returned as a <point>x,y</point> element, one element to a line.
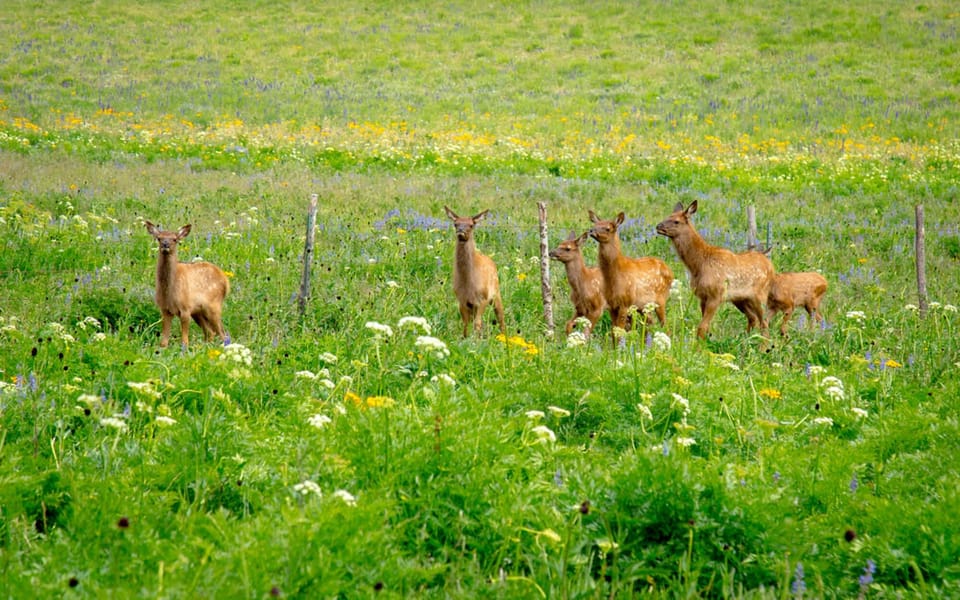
<point>475,281</point>
<point>717,274</point>
<point>586,283</point>
<point>790,290</point>
<point>629,281</point>
<point>187,290</point>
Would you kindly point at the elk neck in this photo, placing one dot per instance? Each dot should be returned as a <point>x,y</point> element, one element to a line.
<point>691,248</point>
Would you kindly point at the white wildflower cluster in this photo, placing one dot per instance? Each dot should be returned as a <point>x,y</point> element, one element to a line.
<point>676,289</point>
<point>88,321</point>
<point>544,434</point>
<point>319,421</point>
<point>682,402</point>
<point>650,308</point>
<point>857,316</point>
<point>832,388</point>
<point>558,412</point>
<point>686,442</point>
<point>60,332</point>
<point>380,331</point>
<point>826,421</point>
<point>165,421</point>
<point>116,422</point>
<point>534,415</point>
<point>661,342</point>
<point>237,353</point>
<point>90,401</point>
<point>329,358</point>
<point>576,338</point>
<point>306,488</point>
<point>146,389</point>
<point>414,323</point>
<point>347,498</point>
<point>432,346</point>
<point>444,378</point>
<point>644,411</point>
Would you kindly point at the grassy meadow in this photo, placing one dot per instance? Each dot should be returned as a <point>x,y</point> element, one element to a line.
<point>363,448</point>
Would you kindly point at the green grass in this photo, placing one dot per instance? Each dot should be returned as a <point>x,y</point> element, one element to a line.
<point>518,467</point>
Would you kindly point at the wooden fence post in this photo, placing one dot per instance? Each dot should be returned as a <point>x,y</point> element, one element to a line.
<point>921,262</point>
<point>308,254</point>
<point>751,227</point>
<point>545,269</point>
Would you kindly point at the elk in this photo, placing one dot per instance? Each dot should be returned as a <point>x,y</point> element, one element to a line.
<point>586,283</point>
<point>475,281</point>
<point>187,290</point>
<point>790,290</point>
<point>629,281</point>
<point>717,274</point>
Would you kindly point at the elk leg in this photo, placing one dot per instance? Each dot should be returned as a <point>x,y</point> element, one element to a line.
<point>165,332</point>
<point>466,316</point>
<point>498,307</point>
<point>708,308</point>
<point>478,316</point>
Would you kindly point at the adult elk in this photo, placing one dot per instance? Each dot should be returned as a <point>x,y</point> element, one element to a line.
<point>790,290</point>
<point>475,281</point>
<point>717,274</point>
<point>187,290</point>
<point>586,283</point>
<point>629,281</point>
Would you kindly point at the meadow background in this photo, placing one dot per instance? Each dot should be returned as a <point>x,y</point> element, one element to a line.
<point>318,456</point>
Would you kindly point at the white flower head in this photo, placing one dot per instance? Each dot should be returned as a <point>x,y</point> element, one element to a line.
<point>861,413</point>
<point>165,421</point>
<point>834,393</point>
<point>91,400</point>
<point>307,487</point>
<point>682,402</point>
<point>319,421</point>
<point>329,358</point>
<point>686,442</point>
<point>533,415</point>
<point>576,338</point>
<point>858,316</point>
<point>827,421</point>
<point>432,345</point>
<point>348,498</point>
<point>661,341</point>
<point>115,422</point>
<point>238,353</point>
<point>831,381</point>
<point>544,434</point>
<point>305,375</point>
<point>379,330</point>
<point>445,379</point>
<point>413,323</point>
<point>558,411</point>
<point>645,411</point>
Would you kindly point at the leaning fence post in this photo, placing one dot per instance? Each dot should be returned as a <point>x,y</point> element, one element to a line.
<point>921,262</point>
<point>751,227</point>
<point>308,254</point>
<point>545,269</point>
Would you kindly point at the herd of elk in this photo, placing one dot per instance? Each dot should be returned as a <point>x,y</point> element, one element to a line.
<point>187,290</point>
<point>620,284</point>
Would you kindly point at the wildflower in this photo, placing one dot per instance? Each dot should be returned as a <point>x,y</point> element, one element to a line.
<point>444,378</point>
<point>798,587</point>
<point>307,487</point>
<point>558,412</point>
<point>861,413</point>
<point>682,402</point>
<point>681,381</point>
<point>305,375</point>
<point>891,364</point>
<point>392,284</point>
<point>544,434</point>
<point>831,381</point>
<point>686,442</point>
<point>606,546</point>
<point>645,412</point>
<point>770,393</point>
<point>661,341</point>
<point>145,388</point>
<point>319,421</point>
<point>329,358</point>
<point>949,308</point>
<point>238,353</point>
<point>823,421</point>
<point>89,399</point>
<point>115,422</point>
<point>380,401</point>
<point>99,336</point>
<point>348,498</point>
<point>858,316</point>
<point>379,330</point>
<point>533,415</point>
<point>854,484</point>
<point>911,308</point>
<point>576,338</point>
<point>834,393</point>
<point>867,578</point>
<point>934,305</point>
<point>581,323</point>
<point>649,308</point>
<point>352,397</point>
<point>813,370</point>
<point>432,345</point>
<point>414,322</point>
<point>165,421</point>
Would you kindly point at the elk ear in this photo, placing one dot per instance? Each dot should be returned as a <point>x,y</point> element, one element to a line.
<point>678,207</point>
<point>571,236</point>
<point>583,236</point>
<point>480,215</point>
<point>183,232</point>
<point>151,228</point>
<point>593,216</point>
<point>692,208</point>
<point>450,213</point>
<point>620,218</point>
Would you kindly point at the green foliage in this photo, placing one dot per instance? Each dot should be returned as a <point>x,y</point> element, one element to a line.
<point>339,453</point>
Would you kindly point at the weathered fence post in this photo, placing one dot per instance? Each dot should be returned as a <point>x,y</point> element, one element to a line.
<point>545,269</point>
<point>308,254</point>
<point>751,227</point>
<point>921,262</point>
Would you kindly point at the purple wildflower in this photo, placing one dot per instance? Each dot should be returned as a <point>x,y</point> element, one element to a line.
<point>867,578</point>
<point>854,484</point>
<point>798,587</point>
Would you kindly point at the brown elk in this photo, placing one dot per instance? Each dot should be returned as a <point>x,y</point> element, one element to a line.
<point>187,290</point>
<point>586,283</point>
<point>790,290</point>
<point>717,274</point>
<point>475,281</point>
<point>629,281</point>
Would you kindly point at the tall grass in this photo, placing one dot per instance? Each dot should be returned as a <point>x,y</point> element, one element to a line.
<point>323,455</point>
